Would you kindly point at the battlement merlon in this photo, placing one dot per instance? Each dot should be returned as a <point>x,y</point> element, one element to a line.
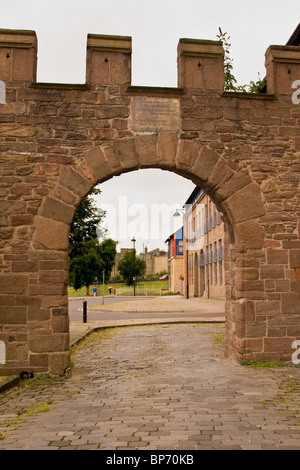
<point>200,62</point>
<point>108,60</point>
<point>283,69</point>
<point>18,55</point>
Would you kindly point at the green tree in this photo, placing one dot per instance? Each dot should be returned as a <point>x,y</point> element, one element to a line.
<point>90,261</point>
<point>107,253</point>
<point>131,267</point>
<point>86,266</point>
<point>88,258</point>
<point>85,222</point>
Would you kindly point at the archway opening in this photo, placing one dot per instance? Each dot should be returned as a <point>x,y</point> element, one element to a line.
<point>229,189</point>
<point>141,206</point>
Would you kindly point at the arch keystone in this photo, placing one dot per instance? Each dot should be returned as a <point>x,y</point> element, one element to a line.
<point>126,152</point>
<point>167,149</point>
<point>146,147</point>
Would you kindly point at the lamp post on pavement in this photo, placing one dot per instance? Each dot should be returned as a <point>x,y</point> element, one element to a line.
<point>133,240</point>
<point>177,214</point>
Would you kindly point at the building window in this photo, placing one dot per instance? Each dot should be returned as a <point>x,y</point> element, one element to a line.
<point>211,265</point>
<point>216,262</point>
<point>220,260</point>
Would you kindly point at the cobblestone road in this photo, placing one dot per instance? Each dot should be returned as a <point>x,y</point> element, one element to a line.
<point>156,387</point>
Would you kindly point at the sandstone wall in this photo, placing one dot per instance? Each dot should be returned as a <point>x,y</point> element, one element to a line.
<point>58,141</point>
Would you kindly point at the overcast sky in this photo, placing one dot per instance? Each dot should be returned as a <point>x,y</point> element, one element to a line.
<point>155,27</point>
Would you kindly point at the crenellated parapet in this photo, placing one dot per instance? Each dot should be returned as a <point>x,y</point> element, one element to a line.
<point>108,62</point>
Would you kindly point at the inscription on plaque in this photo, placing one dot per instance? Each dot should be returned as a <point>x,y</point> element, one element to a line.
<point>155,114</point>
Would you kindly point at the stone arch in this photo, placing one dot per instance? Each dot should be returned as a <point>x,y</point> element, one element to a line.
<point>232,191</point>
<point>235,194</point>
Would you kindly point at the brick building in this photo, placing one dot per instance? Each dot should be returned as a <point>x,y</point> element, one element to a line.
<point>204,250</point>
<point>205,247</point>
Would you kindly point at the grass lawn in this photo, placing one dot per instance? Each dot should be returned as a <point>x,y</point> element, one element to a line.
<point>155,285</point>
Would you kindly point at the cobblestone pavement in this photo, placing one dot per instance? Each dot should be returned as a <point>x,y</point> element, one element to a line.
<point>162,387</point>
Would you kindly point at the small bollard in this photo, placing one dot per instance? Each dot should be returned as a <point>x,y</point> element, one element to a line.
<point>84,317</point>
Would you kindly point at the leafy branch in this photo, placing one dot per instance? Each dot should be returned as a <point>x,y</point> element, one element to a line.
<point>230,80</point>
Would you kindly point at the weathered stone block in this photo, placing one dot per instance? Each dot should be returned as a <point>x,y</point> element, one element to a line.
<point>245,204</point>
<point>204,163</point>
<point>290,303</point>
<point>48,342</point>
<point>167,149</point>
<point>272,272</point>
<point>51,234</point>
<point>255,329</point>
<point>146,147</point>
<point>74,181</point>
<point>57,210</point>
<point>294,256</point>
<point>13,283</point>
<point>268,307</point>
<point>126,153</point>
<point>277,256</point>
<point>187,154</point>
<point>21,219</point>
<point>11,315</point>
<point>250,233</point>
<point>59,362</point>
<point>277,344</point>
<point>98,163</point>
<point>39,362</point>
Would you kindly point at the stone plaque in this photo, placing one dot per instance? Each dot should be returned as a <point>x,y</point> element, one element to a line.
<point>155,114</point>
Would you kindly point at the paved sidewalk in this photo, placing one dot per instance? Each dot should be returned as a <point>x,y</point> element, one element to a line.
<point>155,307</point>
<point>173,303</point>
<point>159,387</point>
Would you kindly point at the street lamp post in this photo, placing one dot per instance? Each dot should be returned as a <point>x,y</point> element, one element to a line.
<point>177,214</point>
<point>133,240</point>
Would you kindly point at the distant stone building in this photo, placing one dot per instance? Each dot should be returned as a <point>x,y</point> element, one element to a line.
<point>115,272</point>
<point>156,261</point>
